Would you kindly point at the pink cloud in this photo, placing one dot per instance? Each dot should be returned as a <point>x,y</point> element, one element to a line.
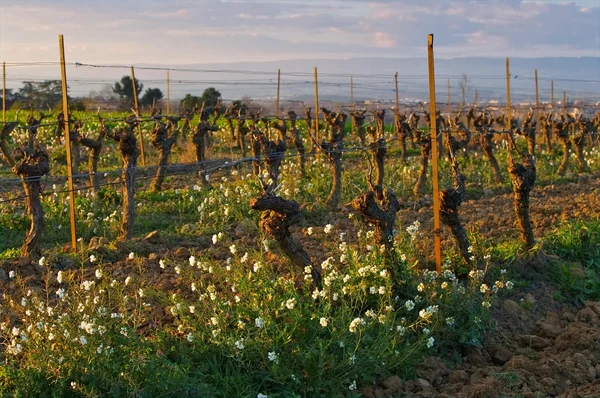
<point>383,40</point>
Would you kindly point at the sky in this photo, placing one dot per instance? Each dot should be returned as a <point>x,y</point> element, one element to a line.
<point>209,31</point>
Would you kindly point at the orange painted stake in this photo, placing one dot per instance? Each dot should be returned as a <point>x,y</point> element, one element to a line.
<point>434,157</point>
<point>537,102</point>
<point>168,94</point>
<point>508,109</point>
<point>278,87</point>
<point>316,106</point>
<point>449,99</point>
<point>4,91</point>
<point>397,94</point>
<point>137,113</point>
<point>65,102</point>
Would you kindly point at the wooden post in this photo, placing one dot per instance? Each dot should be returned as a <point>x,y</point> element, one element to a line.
<point>352,92</point>
<point>508,109</point>
<point>137,114</point>
<point>552,94</point>
<point>397,94</point>
<point>352,103</point>
<point>65,103</point>
<point>449,99</point>
<point>475,99</point>
<point>4,91</point>
<point>278,86</point>
<point>316,106</point>
<point>434,157</point>
<point>168,94</point>
<point>537,102</point>
<point>565,100</point>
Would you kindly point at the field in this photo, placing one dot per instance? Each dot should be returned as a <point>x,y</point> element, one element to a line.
<point>268,268</point>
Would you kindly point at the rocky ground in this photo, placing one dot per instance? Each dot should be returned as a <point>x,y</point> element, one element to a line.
<point>539,349</point>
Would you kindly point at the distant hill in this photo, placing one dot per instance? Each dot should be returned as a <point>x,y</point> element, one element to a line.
<point>373,78</point>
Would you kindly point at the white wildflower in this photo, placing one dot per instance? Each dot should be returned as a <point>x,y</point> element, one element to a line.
<point>259,323</point>
<point>240,344</point>
<point>430,342</point>
<point>273,357</point>
<point>356,322</point>
<point>352,386</point>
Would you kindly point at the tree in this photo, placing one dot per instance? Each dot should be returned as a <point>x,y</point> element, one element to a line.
<point>463,86</point>
<point>210,96</point>
<point>47,93</point>
<point>10,97</point>
<point>151,96</point>
<point>190,101</point>
<point>124,89</point>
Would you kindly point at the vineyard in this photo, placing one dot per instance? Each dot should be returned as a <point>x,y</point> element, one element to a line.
<point>228,251</point>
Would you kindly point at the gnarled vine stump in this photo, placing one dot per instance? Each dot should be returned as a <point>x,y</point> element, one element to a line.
<point>333,150</point>
<point>523,179</point>
<point>402,129</point>
<point>163,138</point>
<point>379,207</point>
<point>201,140</point>
<point>561,129</point>
<point>274,152</point>
<point>125,137</point>
<point>425,143</point>
<point>278,215</point>
<point>450,201</point>
<point>483,125</point>
<point>358,122</point>
<point>31,163</point>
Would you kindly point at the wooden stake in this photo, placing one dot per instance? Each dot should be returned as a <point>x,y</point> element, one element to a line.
<point>537,102</point>
<point>434,157</point>
<point>352,103</point>
<point>137,114</point>
<point>65,103</point>
<point>316,106</point>
<point>352,92</point>
<point>278,86</point>
<point>4,91</point>
<point>565,100</point>
<point>475,99</point>
<point>552,94</point>
<point>508,109</point>
<point>397,94</point>
<point>449,99</point>
<point>168,94</point>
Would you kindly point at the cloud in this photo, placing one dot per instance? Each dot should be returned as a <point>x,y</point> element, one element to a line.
<point>221,30</point>
<point>383,40</point>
